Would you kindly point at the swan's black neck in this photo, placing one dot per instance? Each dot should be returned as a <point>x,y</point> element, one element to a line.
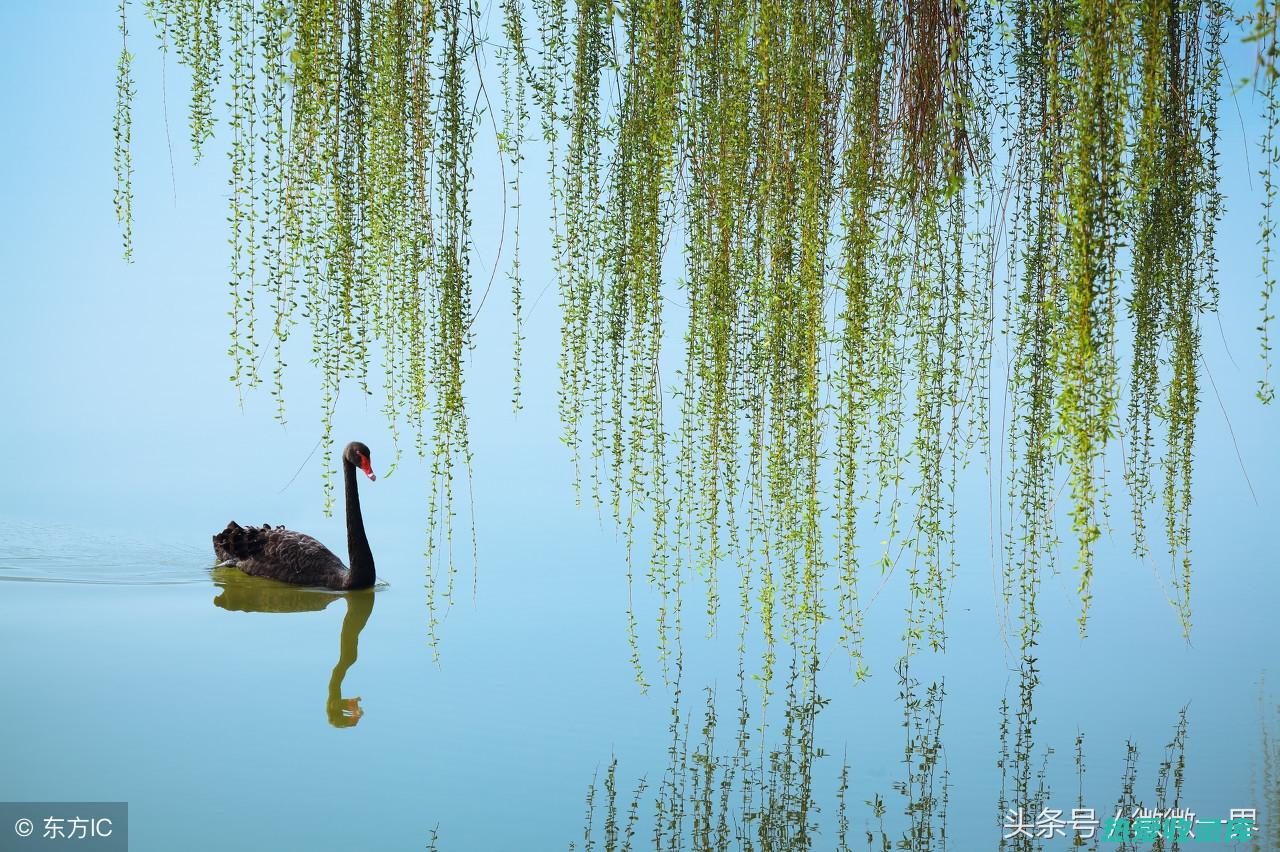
<point>360,575</point>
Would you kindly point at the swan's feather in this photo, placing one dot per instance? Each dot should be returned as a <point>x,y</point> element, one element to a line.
<point>280,554</point>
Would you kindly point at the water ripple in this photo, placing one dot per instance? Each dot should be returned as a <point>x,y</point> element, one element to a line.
<point>47,553</point>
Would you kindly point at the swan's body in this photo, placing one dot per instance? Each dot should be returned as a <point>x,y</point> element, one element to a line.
<point>281,554</point>
<point>297,558</point>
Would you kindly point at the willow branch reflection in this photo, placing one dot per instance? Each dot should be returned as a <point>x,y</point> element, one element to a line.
<point>1267,775</point>
<point>748,788</point>
<point>239,592</point>
<point>750,784</point>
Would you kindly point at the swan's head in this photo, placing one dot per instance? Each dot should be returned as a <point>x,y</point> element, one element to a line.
<point>358,454</point>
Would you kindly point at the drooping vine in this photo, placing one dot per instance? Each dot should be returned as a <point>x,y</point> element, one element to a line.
<point>516,73</point>
<point>1265,31</point>
<point>123,129</point>
<point>1085,344</point>
<point>1175,212</point>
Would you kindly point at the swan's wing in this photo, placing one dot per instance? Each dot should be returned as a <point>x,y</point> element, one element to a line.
<point>296,558</point>
<point>236,544</point>
<point>281,554</point>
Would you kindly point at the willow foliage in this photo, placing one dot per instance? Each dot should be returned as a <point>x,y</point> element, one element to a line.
<point>1265,31</point>
<point>856,192</point>
<point>123,129</point>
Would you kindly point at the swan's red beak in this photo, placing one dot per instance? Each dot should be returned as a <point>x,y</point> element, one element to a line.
<point>367,467</point>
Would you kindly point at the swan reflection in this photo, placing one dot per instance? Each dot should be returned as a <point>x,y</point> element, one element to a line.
<point>239,592</point>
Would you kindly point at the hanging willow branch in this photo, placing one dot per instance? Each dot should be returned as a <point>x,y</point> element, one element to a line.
<point>1175,213</point>
<point>1266,28</point>
<point>123,129</point>
<point>849,189</point>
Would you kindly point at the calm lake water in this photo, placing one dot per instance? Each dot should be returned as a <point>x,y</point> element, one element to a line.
<point>234,712</point>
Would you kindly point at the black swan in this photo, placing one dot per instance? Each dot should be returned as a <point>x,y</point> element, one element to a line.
<point>297,558</point>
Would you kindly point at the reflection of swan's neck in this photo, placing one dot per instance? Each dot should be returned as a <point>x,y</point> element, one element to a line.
<point>359,608</point>
<point>360,575</point>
